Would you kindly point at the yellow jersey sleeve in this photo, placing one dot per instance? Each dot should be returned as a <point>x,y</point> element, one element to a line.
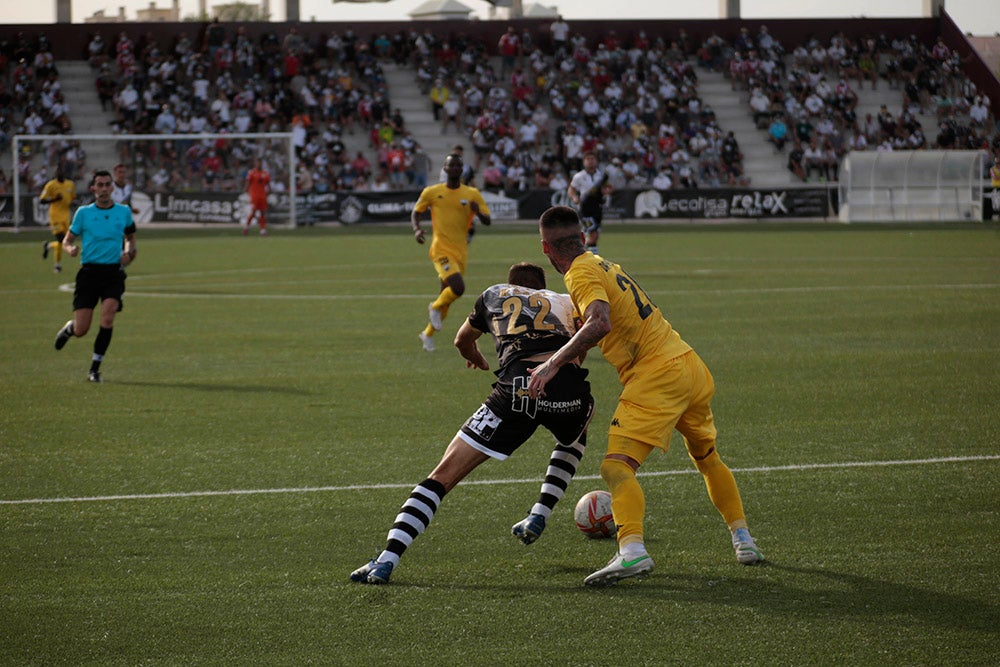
<point>478,198</point>
<point>639,332</point>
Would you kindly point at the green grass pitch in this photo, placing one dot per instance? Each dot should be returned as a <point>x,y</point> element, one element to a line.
<point>267,408</point>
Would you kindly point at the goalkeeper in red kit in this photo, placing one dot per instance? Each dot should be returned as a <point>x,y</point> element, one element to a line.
<point>258,184</point>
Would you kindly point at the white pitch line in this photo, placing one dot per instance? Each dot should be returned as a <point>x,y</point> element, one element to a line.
<point>483,482</point>
<point>807,289</point>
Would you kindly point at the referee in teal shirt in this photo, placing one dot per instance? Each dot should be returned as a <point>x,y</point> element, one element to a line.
<point>106,234</point>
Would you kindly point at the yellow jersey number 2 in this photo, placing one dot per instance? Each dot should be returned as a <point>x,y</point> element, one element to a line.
<point>642,301</point>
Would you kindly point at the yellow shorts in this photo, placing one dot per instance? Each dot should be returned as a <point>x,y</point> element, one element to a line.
<point>448,265</point>
<point>59,227</point>
<point>675,393</point>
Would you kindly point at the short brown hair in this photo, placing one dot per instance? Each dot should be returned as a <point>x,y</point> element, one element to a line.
<point>561,230</point>
<point>526,274</point>
<point>560,217</point>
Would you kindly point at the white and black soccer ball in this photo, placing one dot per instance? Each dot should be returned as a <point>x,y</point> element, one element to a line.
<point>593,515</point>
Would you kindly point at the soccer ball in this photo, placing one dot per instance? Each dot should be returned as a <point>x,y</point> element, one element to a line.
<point>593,515</point>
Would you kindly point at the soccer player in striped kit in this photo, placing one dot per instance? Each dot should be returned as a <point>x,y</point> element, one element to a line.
<point>528,323</point>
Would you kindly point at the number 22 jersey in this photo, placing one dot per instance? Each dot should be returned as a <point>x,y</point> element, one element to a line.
<point>523,321</point>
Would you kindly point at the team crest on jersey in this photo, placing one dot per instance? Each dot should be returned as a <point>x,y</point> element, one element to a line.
<point>484,423</point>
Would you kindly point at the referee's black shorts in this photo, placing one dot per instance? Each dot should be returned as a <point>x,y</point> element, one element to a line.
<point>509,416</point>
<point>96,282</point>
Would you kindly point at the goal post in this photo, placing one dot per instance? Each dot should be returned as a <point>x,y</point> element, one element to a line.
<point>911,186</point>
<point>161,166</point>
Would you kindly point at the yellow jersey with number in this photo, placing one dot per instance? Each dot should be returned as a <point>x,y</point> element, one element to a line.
<point>59,210</point>
<point>639,336</point>
<point>451,213</point>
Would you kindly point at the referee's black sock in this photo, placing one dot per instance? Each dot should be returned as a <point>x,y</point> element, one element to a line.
<point>101,344</point>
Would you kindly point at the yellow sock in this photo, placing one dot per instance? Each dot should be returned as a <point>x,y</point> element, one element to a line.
<point>429,330</point>
<point>628,504</point>
<point>57,248</point>
<point>722,489</point>
<point>445,299</point>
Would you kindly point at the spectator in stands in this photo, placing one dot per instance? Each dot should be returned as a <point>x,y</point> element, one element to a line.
<point>127,105</point>
<point>451,108</point>
<point>777,133</point>
<point>439,94</point>
<point>510,50</point>
<point>814,104</point>
<point>105,85</point>
<point>795,161</point>
<point>97,51</point>
<point>572,148</point>
<point>945,106</point>
<point>979,113</point>
<point>560,36</point>
<point>760,107</point>
<point>397,166</point>
<point>361,166</point>
<point>558,182</point>
<point>33,122</point>
<point>857,142</point>
<point>814,159</point>
<point>493,180</point>
<point>663,180</point>
<point>420,167</point>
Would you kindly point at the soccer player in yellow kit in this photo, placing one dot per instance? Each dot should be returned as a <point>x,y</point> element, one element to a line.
<point>665,385</point>
<point>452,207</point>
<point>58,193</point>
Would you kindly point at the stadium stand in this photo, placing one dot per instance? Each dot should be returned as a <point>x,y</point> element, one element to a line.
<point>377,109</point>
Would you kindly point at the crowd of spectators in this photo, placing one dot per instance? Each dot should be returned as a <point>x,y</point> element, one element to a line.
<point>807,98</point>
<point>32,103</point>
<point>531,117</point>
<point>230,83</point>
<point>530,113</point>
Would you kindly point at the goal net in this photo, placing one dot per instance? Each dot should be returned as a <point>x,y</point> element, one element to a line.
<point>904,186</point>
<point>195,178</point>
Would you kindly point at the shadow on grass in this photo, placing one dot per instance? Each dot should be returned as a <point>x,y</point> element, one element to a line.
<point>782,591</point>
<point>790,590</point>
<point>205,386</point>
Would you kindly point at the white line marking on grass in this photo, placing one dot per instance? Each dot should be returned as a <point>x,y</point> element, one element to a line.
<point>68,287</point>
<point>276,297</point>
<point>482,482</point>
<point>807,289</point>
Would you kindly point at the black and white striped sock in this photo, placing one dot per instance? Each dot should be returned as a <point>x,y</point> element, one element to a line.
<point>413,519</point>
<point>562,466</point>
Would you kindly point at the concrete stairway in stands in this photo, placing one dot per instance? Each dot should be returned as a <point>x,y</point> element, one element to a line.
<point>416,109</point>
<point>766,167</point>
<point>86,116</point>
